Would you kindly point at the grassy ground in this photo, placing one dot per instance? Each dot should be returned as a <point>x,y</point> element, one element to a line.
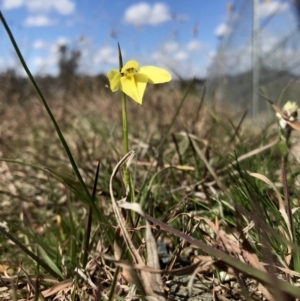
<point>194,185</point>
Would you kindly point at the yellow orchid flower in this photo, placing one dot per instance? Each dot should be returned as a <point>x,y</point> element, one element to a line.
<point>133,79</point>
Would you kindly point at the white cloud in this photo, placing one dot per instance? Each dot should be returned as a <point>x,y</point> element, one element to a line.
<point>45,65</point>
<point>144,13</point>
<point>38,20</point>
<point>223,30</point>
<point>181,55</point>
<point>63,7</point>
<point>267,41</point>
<point>45,62</point>
<point>212,54</point>
<point>158,56</point>
<point>48,64</point>
<point>1,64</point>
<point>182,62</point>
<point>167,59</point>
<point>12,4</point>
<point>170,46</point>
<point>54,47</point>
<point>266,9</point>
<point>62,41</point>
<point>9,62</point>
<point>106,55</point>
<point>39,44</point>
<point>194,45</point>
<point>238,60</point>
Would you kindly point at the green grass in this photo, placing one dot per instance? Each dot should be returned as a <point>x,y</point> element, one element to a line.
<point>191,178</point>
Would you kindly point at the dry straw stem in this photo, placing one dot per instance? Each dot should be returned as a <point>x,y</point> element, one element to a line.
<point>200,266</point>
<point>233,246</point>
<point>229,261</point>
<point>282,207</point>
<point>151,283</point>
<point>238,160</point>
<point>208,166</point>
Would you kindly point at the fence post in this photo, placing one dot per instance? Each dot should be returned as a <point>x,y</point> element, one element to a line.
<point>255,58</point>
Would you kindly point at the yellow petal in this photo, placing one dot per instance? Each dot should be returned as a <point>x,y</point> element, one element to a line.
<point>114,79</point>
<point>156,75</point>
<point>134,86</point>
<point>131,65</point>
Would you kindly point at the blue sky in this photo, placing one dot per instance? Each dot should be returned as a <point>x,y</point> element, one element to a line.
<point>181,35</point>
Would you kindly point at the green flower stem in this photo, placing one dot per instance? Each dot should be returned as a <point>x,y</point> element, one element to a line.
<point>125,124</point>
<point>127,178</point>
<point>125,139</point>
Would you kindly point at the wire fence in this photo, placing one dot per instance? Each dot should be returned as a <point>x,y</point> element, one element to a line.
<point>259,55</point>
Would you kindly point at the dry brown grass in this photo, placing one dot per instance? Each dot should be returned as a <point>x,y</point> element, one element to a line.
<point>32,199</point>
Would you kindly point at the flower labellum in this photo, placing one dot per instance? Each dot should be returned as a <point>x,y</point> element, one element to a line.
<point>291,110</point>
<point>133,79</point>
